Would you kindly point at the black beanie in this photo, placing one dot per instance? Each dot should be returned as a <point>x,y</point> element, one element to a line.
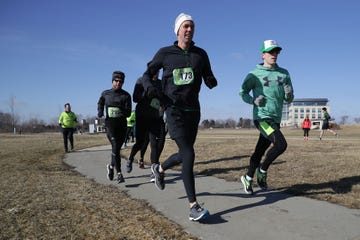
<point>118,74</point>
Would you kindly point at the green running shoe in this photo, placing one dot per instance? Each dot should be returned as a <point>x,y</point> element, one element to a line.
<point>247,185</point>
<point>261,179</point>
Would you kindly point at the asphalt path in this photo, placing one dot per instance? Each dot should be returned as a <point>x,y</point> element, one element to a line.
<point>234,214</point>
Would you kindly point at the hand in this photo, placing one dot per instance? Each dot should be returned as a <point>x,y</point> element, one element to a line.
<point>260,100</point>
<point>211,82</point>
<point>287,89</point>
<point>152,92</point>
<point>100,115</point>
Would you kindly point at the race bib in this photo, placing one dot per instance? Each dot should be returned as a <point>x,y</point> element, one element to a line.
<point>155,103</point>
<point>114,112</point>
<point>183,76</point>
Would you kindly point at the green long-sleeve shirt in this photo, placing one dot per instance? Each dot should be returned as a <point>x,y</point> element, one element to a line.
<point>268,82</point>
<point>68,120</point>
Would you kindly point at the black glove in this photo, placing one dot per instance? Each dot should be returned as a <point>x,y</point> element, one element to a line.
<point>152,92</point>
<point>100,115</point>
<point>210,82</point>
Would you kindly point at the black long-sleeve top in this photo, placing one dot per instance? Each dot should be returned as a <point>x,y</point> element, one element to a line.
<point>117,105</point>
<point>146,106</point>
<point>183,72</point>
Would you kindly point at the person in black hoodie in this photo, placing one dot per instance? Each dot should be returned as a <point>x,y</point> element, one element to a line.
<point>117,105</point>
<point>149,123</point>
<point>184,67</point>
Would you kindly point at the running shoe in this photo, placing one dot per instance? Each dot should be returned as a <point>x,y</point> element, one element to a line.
<point>141,164</point>
<point>120,178</point>
<point>152,177</point>
<point>110,172</point>
<point>159,177</point>
<point>129,166</point>
<point>261,179</point>
<point>247,185</point>
<point>198,213</point>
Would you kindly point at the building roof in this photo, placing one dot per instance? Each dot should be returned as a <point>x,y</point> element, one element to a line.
<point>310,100</point>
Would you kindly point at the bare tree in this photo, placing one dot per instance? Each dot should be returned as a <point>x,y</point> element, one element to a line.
<point>343,120</point>
<point>12,103</point>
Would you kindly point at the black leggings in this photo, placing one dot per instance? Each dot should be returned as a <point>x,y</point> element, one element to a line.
<point>306,132</point>
<point>186,156</point>
<point>68,134</point>
<point>116,136</point>
<point>148,129</point>
<point>279,146</point>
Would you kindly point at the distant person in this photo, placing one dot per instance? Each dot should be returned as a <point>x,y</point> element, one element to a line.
<point>68,122</point>
<point>326,124</point>
<point>184,66</point>
<point>306,125</point>
<point>130,128</point>
<point>117,105</point>
<point>270,86</point>
<point>149,122</point>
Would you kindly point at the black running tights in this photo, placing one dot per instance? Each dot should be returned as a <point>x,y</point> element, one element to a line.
<point>279,146</point>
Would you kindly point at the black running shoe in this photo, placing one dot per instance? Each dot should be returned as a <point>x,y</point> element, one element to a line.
<point>110,172</point>
<point>120,178</point>
<point>141,164</point>
<point>152,177</point>
<point>198,213</point>
<point>159,177</point>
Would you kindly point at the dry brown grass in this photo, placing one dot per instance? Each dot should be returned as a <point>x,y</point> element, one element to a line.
<point>42,198</point>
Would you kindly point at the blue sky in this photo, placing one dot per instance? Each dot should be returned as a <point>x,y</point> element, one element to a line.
<point>53,52</point>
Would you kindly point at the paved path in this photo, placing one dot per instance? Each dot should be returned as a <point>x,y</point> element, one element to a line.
<point>234,215</point>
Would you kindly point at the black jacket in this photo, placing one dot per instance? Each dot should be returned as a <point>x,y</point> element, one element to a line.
<point>173,60</point>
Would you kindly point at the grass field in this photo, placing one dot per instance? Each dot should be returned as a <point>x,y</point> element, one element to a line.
<point>42,198</point>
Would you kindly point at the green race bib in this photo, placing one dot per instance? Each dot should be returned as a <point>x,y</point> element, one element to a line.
<point>183,76</point>
<point>114,112</point>
<point>155,103</point>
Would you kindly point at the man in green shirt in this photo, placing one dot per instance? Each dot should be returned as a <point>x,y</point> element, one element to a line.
<point>68,122</point>
<point>270,86</point>
<point>326,124</point>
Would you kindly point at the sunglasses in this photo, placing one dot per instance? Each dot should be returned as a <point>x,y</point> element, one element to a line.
<point>274,51</point>
<point>119,81</point>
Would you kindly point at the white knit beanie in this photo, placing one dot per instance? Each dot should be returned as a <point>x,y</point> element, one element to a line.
<point>180,19</point>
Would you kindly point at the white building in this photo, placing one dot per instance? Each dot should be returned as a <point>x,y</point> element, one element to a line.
<point>295,112</point>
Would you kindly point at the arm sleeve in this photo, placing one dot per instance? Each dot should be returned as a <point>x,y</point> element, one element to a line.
<point>246,87</point>
<point>153,67</point>
<point>128,106</point>
<point>289,97</point>
<point>208,75</point>
<point>139,92</point>
<point>101,104</point>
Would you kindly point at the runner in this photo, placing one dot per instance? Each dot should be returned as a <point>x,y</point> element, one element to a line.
<point>117,105</point>
<point>68,122</point>
<point>184,66</point>
<point>271,86</point>
<point>150,125</point>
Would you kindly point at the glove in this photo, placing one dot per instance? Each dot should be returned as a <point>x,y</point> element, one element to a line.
<point>287,90</point>
<point>259,101</point>
<point>100,115</point>
<point>152,92</point>
<point>211,82</point>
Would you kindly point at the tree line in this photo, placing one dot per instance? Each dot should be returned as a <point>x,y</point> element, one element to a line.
<point>11,123</point>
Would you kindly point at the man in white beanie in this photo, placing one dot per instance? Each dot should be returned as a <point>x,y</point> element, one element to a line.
<point>184,66</point>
